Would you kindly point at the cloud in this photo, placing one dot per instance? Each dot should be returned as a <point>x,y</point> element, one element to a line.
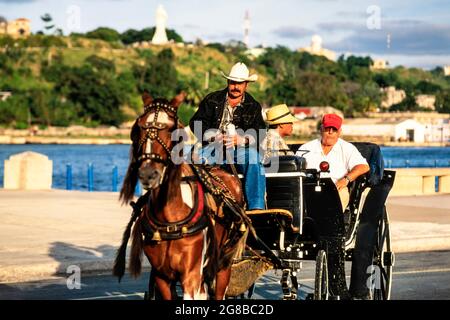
<point>413,37</point>
<point>352,14</point>
<point>223,36</point>
<point>16,1</point>
<point>293,32</point>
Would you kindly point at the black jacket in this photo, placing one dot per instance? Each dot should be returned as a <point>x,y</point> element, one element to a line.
<point>246,116</point>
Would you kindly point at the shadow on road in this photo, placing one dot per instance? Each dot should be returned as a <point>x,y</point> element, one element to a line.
<point>91,258</point>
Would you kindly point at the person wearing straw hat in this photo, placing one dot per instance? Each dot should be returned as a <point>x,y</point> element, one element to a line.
<point>281,124</point>
<point>232,117</point>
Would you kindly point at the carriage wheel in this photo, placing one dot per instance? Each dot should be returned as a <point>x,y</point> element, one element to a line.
<point>383,262</point>
<point>321,279</point>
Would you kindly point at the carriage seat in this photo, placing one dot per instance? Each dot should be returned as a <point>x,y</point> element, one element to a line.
<point>372,153</point>
<point>268,219</point>
<point>283,185</point>
<point>374,157</point>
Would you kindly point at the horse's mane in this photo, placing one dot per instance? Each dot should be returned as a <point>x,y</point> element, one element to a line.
<point>131,177</point>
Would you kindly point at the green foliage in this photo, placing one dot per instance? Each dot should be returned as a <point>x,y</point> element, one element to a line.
<point>14,110</point>
<point>408,104</point>
<point>363,98</point>
<point>103,33</point>
<point>386,79</point>
<point>427,87</point>
<point>97,96</point>
<point>218,46</point>
<point>131,35</point>
<point>443,101</point>
<point>185,113</point>
<point>158,75</point>
<point>101,64</point>
<point>93,87</point>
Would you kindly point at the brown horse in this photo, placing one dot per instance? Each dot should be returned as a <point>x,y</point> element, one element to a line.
<point>189,240</point>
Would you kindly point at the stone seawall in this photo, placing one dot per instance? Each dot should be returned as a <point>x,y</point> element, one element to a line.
<point>60,140</point>
<point>420,181</point>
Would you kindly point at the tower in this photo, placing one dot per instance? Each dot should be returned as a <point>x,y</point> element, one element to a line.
<point>246,29</point>
<point>160,36</point>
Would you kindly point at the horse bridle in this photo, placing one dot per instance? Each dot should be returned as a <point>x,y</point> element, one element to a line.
<point>151,132</point>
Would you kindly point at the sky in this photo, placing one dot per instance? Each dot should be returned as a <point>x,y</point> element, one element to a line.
<point>413,33</point>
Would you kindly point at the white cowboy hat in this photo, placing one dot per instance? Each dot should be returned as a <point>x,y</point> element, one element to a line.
<point>239,73</point>
<point>279,114</point>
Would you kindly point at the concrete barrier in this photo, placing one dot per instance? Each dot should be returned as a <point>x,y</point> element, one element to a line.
<point>420,181</point>
<point>28,171</point>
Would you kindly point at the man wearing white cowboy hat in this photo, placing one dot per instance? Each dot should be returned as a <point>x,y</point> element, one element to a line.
<point>281,124</point>
<point>235,112</point>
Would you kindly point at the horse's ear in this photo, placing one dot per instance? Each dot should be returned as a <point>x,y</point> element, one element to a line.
<point>178,100</point>
<point>146,98</point>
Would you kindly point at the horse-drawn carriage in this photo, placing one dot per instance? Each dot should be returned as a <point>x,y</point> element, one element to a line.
<point>304,221</point>
<point>195,244</point>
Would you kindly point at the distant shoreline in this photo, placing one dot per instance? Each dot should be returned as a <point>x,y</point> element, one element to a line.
<point>9,140</point>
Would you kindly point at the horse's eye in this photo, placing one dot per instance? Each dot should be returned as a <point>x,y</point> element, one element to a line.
<point>160,125</point>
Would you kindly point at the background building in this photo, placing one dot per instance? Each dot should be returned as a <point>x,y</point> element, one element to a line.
<point>317,49</point>
<point>17,28</point>
<point>384,130</point>
<point>426,101</point>
<point>447,70</point>
<point>392,96</point>
<point>420,127</point>
<point>379,64</point>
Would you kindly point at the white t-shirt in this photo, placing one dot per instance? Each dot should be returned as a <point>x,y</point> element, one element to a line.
<point>343,157</point>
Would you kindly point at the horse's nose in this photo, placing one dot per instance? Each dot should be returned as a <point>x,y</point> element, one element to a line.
<point>148,174</point>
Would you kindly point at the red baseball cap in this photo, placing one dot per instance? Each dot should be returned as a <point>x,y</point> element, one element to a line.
<point>331,120</point>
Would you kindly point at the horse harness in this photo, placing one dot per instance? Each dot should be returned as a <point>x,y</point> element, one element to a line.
<point>151,131</point>
<point>197,220</point>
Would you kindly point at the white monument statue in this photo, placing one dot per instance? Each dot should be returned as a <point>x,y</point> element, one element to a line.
<point>316,48</point>
<point>160,36</point>
<point>316,43</point>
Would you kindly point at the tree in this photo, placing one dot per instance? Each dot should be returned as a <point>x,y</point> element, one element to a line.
<point>315,89</point>
<point>438,72</point>
<point>427,87</point>
<point>386,79</point>
<point>443,101</point>
<point>279,62</point>
<point>408,104</point>
<point>101,64</point>
<point>158,75</point>
<point>363,98</point>
<point>103,33</point>
<point>131,36</point>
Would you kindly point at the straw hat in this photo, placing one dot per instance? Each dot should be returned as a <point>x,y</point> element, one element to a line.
<point>239,73</point>
<point>279,114</point>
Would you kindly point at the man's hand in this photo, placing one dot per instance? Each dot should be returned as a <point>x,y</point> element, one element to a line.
<point>236,140</point>
<point>341,184</point>
<point>218,138</point>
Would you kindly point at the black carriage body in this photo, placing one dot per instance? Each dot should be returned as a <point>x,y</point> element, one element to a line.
<point>305,219</point>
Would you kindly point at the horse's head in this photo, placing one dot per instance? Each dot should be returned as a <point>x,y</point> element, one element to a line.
<point>154,138</point>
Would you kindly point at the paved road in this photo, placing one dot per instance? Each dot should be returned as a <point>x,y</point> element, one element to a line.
<point>422,275</point>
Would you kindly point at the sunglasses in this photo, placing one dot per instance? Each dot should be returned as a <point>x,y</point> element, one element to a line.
<point>330,129</point>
